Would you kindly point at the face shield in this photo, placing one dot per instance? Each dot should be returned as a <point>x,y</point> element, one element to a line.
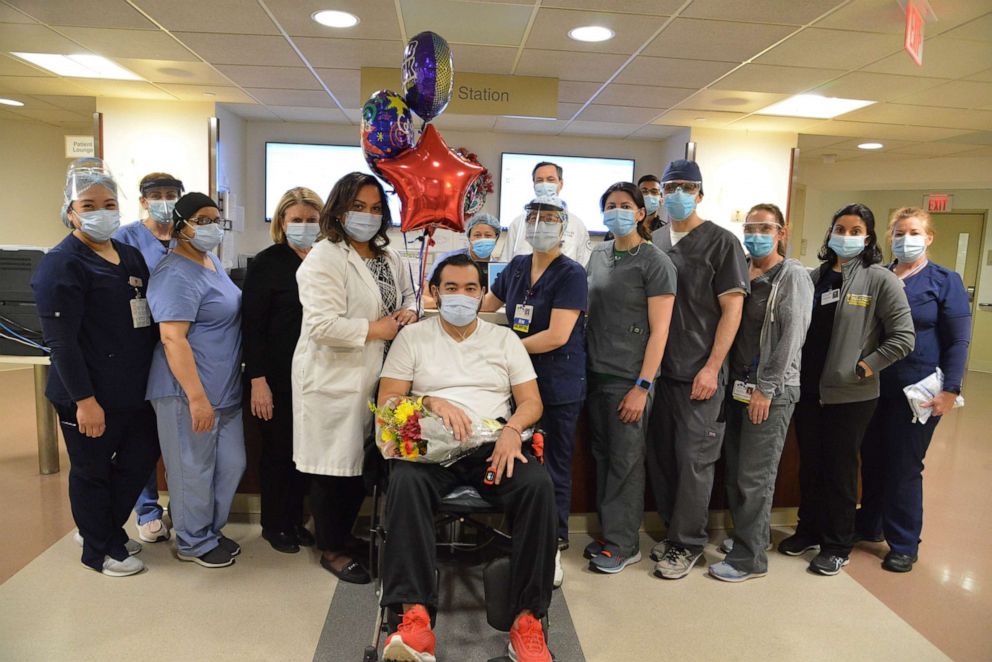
<point>81,178</point>
<point>545,223</point>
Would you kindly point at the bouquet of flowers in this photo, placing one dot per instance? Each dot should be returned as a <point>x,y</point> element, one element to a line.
<point>406,430</point>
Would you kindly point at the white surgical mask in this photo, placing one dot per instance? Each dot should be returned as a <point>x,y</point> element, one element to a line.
<point>302,235</point>
<point>160,211</point>
<point>362,226</point>
<point>458,309</point>
<point>207,237</point>
<point>909,247</point>
<point>543,236</point>
<point>545,189</point>
<point>99,225</point>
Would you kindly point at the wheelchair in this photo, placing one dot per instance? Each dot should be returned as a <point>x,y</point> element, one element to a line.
<point>461,510</point>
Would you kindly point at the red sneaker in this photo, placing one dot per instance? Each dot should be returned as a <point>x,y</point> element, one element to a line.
<point>413,640</point>
<point>527,641</point>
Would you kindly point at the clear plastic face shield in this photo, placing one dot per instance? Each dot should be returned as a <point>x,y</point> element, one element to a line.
<point>545,223</point>
<point>89,186</point>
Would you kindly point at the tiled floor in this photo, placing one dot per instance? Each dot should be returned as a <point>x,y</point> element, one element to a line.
<point>272,606</point>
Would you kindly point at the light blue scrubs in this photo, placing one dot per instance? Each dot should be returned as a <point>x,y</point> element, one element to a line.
<point>136,234</point>
<point>204,468</point>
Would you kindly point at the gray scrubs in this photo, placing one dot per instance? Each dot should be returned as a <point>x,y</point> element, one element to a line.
<point>617,334</point>
<point>685,435</point>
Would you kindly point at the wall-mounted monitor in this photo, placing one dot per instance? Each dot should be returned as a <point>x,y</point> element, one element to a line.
<point>314,166</point>
<point>585,180</point>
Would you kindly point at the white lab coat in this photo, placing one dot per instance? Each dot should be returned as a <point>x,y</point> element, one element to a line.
<point>335,371</point>
<point>575,242</point>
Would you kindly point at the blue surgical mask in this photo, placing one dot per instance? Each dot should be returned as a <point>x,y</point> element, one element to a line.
<point>99,225</point>
<point>908,248</point>
<point>543,236</point>
<point>680,205</point>
<point>459,309</point>
<point>207,237</point>
<point>620,222</point>
<point>545,189</point>
<point>759,245</point>
<point>651,203</point>
<point>483,247</point>
<point>160,211</point>
<point>302,235</point>
<point>847,246</point>
<point>362,226</point>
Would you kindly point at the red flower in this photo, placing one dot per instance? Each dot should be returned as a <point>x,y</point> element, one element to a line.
<point>411,429</point>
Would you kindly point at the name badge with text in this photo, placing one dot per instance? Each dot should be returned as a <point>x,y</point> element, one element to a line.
<point>522,317</point>
<point>141,315</point>
<point>833,296</point>
<point>742,391</point>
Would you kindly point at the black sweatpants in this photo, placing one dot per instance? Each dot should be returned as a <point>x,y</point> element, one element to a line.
<point>335,502</point>
<point>282,486</point>
<point>106,475</point>
<point>414,493</point>
<point>829,438</point>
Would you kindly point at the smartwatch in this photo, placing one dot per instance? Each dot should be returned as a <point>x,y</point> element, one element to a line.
<point>645,384</point>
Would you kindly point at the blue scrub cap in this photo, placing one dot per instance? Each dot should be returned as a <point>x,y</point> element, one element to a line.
<point>81,175</point>
<point>683,170</point>
<point>488,219</point>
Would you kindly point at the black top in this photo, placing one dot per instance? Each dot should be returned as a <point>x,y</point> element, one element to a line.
<point>271,314</point>
<point>747,344</point>
<point>84,303</point>
<point>821,328</point>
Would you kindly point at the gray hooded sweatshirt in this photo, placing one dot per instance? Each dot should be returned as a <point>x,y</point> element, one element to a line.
<point>787,315</point>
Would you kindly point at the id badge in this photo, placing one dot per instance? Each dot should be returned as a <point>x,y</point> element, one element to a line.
<point>833,296</point>
<point>522,317</point>
<point>141,315</point>
<point>742,391</point>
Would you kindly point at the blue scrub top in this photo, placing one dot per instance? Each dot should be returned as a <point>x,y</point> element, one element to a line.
<point>137,235</point>
<point>561,373</point>
<point>184,291</point>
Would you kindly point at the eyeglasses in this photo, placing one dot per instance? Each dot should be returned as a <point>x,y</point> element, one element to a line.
<point>761,228</point>
<point>691,188</point>
<point>206,220</point>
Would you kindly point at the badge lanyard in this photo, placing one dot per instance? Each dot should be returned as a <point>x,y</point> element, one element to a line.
<point>141,315</point>
<point>523,314</point>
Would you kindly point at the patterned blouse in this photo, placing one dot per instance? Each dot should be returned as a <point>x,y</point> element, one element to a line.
<point>383,277</point>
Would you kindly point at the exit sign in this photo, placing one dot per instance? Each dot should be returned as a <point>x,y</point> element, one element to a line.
<point>914,31</point>
<point>938,202</point>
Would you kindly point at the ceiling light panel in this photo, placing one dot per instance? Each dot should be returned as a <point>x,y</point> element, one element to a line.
<point>814,105</point>
<point>79,66</point>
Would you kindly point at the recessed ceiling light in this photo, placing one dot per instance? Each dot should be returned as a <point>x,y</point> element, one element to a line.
<point>871,146</point>
<point>209,94</point>
<point>79,66</point>
<point>335,19</point>
<point>814,105</point>
<point>11,102</point>
<point>591,33</point>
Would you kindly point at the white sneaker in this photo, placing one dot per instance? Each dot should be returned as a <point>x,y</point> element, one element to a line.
<point>559,570</point>
<point>125,568</point>
<point>154,531</point>
<point>132,546</point>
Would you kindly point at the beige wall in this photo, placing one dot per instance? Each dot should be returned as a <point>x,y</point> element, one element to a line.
<point>33,172</point>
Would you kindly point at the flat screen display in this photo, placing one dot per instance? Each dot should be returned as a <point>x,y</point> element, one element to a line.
<point>585,180</point>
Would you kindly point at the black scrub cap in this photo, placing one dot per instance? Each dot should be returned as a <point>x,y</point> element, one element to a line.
<point>166,182</point>
<point>683,170</point>
<point>191,203</point>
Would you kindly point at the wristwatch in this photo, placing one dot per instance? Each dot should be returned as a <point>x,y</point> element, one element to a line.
<point>645,384</point>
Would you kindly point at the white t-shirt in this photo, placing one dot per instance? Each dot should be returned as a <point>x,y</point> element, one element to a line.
<point>475,374</point>
<point>575,243</point>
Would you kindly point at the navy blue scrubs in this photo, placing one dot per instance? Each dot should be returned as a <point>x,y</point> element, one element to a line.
<point>85,306</point>
<point>561,373</point>
<point>894,446</point>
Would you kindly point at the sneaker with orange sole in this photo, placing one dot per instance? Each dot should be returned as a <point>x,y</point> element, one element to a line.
<point>527,641</point>
<point>413,640</point>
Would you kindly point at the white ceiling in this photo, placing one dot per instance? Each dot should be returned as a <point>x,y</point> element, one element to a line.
<point>709,63</point>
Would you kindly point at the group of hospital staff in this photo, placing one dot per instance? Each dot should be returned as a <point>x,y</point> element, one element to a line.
<point>681,346</point>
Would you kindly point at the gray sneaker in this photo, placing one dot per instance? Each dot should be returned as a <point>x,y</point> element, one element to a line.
<point>659,550</point>
<point>611,560</point>
<point>726,546</point>
<point>132,546</point>
<point>728,573</point>
<point>676,563</point>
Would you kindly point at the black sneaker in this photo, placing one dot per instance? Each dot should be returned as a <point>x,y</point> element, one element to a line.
<point>896,562</point>
<point>282,541</point>
<point>303,536</point>
<point>229,546</point>
<point>562,544</point>
<point>215,558</point>
<point>797,545</point>
<point>827,564</point>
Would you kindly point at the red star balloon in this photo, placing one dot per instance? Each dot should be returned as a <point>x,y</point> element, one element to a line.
<point>431,180</point>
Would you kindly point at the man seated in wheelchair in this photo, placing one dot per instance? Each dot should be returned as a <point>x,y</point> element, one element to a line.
<point>460,363</point>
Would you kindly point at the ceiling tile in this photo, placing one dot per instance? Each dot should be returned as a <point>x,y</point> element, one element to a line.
<point>207,93</point>
<point>298,98</point>
<point>887,16</point>
<point>41,85</point>
<point>170,71</point>
<point>350,53</point>
<point>979,29</point>
<point>833,49</point>
<point>974,138</point>
<point>82,105</point>
<point>550,30</point>
<point>600,129</point>
<point>222,16</point>
<point>882,132</point>
<point>650,7</point>
<point>11,15</point>
<point>595,67</point>
<point>697,39</point>
<point>34,39</point>
<point>376,18</point>
<point>354,115</point>
<point>702,118</point>
<point>466,22</point>
<point>877,87</point>
<point>670,72</point>
<point>943,57</point>
<point>776,80</point>
<point>935,149</point>
<point>892,113</point>
<point>656,132</point>
<point>981,152</point>
<point>11,66</point>
<point>642,96</point>
<point>8,116</point>
<point>785,12</point>
<point>51,115</point>
<point>289,78</point>
<point>566,111</point>
<point>127,89</point>
<point>345,84</point>
<point>620,114</point>
<point>326,115</point>
<point>241,49</point>
<point>730,100</point>
<point>95,13</point>
<point>956,94</point>
<point>483,59</point>
<point>768,123</point>
<point>810,141</point>
<point>455,122</point>
<point>521,125</point>
<point>575,91</point>
<point>137,44</point>
<point>985,76</point>
<point>249,111</point>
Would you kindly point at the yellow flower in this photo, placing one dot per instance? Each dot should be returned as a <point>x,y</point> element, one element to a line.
<point>403,411</point>
<point>388,436</point>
